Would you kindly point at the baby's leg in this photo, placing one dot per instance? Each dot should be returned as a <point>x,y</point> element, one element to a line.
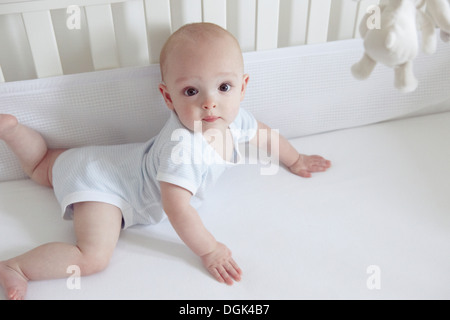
<point>31,149</point>
<point>97,228</point>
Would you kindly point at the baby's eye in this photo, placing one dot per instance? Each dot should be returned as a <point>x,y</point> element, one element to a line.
<point>225,87</point>
<point>190,92</point>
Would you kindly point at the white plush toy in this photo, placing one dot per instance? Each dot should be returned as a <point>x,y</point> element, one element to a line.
<point>440,12</point>
<point>395,43</point>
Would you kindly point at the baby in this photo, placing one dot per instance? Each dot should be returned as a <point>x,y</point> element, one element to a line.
<point>106,189</point>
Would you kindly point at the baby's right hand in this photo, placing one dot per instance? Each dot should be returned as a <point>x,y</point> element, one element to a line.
<point>221,265</point>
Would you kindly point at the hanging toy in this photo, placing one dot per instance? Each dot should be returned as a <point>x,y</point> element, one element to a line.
<point>395,43</point>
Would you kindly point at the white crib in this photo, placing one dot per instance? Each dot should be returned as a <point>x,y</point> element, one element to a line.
<point>43,38</point>
<point>375,226</point>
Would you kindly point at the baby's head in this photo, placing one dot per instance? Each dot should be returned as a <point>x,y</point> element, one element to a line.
<point>203,76</point>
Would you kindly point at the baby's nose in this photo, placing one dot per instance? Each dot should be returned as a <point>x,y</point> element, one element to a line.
<point>208,104</point>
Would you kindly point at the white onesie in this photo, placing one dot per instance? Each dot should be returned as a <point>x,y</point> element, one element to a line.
<point>127,176</point>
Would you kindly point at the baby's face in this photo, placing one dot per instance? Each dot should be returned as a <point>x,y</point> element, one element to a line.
<point>204,81</point>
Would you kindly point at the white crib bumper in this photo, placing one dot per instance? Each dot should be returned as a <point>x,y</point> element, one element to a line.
<point>299,90</point>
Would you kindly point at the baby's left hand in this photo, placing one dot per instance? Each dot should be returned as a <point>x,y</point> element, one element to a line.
<point>221,265</point>
<point>307,164</point>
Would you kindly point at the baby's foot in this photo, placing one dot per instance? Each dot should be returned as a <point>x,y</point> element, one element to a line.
<point>7,124</point>
<point>14,284</point>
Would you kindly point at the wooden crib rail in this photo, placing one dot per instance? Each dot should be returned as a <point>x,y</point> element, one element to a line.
<point>43,38</point>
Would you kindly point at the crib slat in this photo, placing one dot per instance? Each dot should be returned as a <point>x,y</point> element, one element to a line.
<point>2,78</point>
<point>159,28</point>
<point>185,11</point>
<point>241,22</point>
<point>130,31</point>
<point>342,20</point>
<point>43,5</point>
<point>319,15</point>
<point>293,22</point>
<point>43,45</point>
<point>215,11</point>
<point>267,24</point>
<point>73,40</point>
<point>102,37</point>
<point>15,52</point>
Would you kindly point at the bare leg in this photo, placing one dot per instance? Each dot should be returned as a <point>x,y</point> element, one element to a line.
<point>31,149</point>
<point>97,228</point>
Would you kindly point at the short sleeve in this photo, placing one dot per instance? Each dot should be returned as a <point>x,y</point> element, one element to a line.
<point>179,165</point>
<point>244,126</point>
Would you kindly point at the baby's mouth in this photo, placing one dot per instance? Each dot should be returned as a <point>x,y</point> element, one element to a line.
<point>211,118</point>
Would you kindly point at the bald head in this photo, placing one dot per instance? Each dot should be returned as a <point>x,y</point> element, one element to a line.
<point>195,35</point>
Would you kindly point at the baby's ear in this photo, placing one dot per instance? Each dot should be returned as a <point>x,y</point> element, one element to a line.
<point>166,95</point>
<point>245,79</point>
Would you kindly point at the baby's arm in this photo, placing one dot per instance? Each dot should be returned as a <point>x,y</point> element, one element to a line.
<point>215,256</point>
<point>297,163</point>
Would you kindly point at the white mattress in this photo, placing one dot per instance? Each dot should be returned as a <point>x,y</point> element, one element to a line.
<point>380,217</point>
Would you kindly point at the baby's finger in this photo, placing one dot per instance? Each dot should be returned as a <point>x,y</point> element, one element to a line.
<point>317,159</point>
<point>225,276</point>
<point>235,266</point>
<point>322,162</point>
<point>304,174</point>
<point>215,273</point>
<point>234,272</point>
<point>318,168</point>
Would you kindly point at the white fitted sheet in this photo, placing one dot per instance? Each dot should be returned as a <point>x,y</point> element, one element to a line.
<point>384,203</point>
